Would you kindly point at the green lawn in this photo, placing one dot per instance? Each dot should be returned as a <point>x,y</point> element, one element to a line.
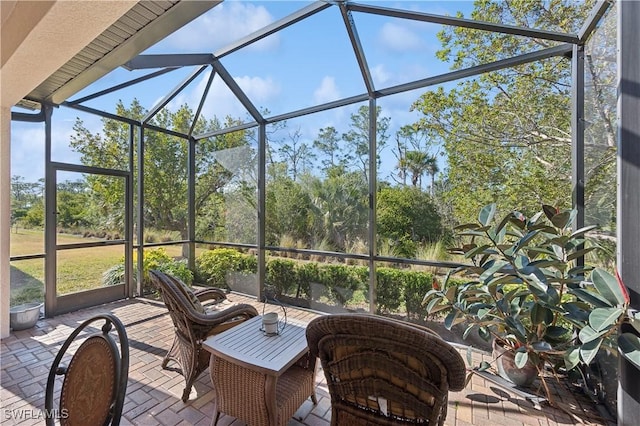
<point>78,269</point>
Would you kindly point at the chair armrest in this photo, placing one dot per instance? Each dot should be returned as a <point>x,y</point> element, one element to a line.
<point>233,312</point>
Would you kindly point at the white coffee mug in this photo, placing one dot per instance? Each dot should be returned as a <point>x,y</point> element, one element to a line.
<point>270,323</point>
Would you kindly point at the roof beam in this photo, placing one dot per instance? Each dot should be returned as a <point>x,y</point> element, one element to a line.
<point>562,50</point>
<point>593,19</point>
<point>357,47</point>
<point>169,60</point>
<point>466,23</point>
<point>237,91</point>
<point>274,27</point>
<point>173,93</point>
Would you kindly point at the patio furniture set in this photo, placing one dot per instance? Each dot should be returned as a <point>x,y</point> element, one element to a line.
<point>378,370</point>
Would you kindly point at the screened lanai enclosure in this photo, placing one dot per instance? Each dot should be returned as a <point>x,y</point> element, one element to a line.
<point>326,154</point>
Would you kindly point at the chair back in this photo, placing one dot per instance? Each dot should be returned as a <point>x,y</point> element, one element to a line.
<point>95,380</point>
<point>382,371</point>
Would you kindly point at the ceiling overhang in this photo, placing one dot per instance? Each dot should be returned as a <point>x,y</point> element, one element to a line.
<point>146,23</point>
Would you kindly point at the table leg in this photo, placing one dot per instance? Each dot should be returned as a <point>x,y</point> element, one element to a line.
<point>216,413</point>
<point>270,398</point>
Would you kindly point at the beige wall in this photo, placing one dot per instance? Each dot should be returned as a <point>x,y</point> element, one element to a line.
<point>37,38</point>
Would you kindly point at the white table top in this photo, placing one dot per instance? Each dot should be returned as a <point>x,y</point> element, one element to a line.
<point>246,345</point>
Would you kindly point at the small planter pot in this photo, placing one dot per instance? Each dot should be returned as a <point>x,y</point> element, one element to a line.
<point>507,369</point>
<point>24,316</point>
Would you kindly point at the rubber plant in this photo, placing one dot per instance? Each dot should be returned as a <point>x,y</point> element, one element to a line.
<point>526,287</point>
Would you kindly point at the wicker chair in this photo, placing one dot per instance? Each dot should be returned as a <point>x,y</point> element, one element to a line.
<point>384,372</point>
<point>95,381</point>
<point>194,322</point>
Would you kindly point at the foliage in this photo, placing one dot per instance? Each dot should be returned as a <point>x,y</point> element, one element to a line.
<point>407,213</point>
<point>281,275</point>
<point>339,208</point>
<point>113,275</point>
<point>357,138</point>
<point>165,166</point>
<point>213,265</point>
<point>510,126</point>
<point>389,288</point>
<point>289,210</point>
<point>27,295</point>
<point>340,282</point>
<point>526,289</point>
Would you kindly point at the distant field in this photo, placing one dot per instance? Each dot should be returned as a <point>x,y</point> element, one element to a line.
<point>78,269</point>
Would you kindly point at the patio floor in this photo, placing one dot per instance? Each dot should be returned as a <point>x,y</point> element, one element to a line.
<point>153,394</point>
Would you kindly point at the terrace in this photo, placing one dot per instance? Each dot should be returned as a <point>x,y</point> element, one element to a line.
<point>153,394</point>
<point>243,159</point>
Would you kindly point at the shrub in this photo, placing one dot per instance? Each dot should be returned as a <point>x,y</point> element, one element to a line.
<point>340,282</point>
<point>213,265</point>
<point>390,283</point>
<point>281,274</point>
<point>416,285</point>
<point>307,273</point>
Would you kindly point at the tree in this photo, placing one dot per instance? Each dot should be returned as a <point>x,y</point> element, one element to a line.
<point>328,143</point>
<point>165,165</point>
<point>297,155</point>
<point>357,138</point>
<point>407,212</point>
<point>339,208</point>
<point>505,133</point>
<point>416,156</point>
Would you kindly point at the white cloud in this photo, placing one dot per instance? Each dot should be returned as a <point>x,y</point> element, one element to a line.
<point>222,25</point>
<point>327,91</point>
<point>221,101</point>
<point>380,75</point>
<point>399,38</point>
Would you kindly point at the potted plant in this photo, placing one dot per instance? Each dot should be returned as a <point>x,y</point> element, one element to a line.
<point>527,292</point>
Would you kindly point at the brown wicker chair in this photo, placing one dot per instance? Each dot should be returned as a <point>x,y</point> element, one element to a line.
<point>95,379</point>
<point>384,372</point>
<point>193,323</point>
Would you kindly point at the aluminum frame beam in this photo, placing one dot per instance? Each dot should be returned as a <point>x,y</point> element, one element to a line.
<point>237,91</point>
<point>593,19</point>
<point>352,30</point>
<point>466,23</point>
<point>141,62</point>
<point>562,50</point>
<point>122,85</point>
<point>274,27</point>
<point>179,88</point>
<point>628,196</point>
<point>205,93</point>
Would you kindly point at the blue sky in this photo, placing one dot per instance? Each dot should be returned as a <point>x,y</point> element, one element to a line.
<point>308,63</point>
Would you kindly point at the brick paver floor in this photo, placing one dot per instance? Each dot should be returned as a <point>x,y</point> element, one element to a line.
<point>153,394</point>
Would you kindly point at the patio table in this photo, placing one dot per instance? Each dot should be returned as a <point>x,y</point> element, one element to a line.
<point>260,379</point>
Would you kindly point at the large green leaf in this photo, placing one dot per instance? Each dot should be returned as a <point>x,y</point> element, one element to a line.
<point>521,358</point>
<point>629,345</point>
<point>549,211</point>
<point>486,214</point>
<point>589,350</point>
<point>608,286</point>
<point>588,334</point>
<point>561,220</point>
<point>590,297</point>
<point>603,318</point>
<point>540,314</point>
<point>493,268</point>
<point>582,231</point>
<point>476,250</point>
<point>572,357</point>
<point>580,253</point>
<point>557,334</point>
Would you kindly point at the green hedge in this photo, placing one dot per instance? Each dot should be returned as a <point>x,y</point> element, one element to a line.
<point>332,283</point>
